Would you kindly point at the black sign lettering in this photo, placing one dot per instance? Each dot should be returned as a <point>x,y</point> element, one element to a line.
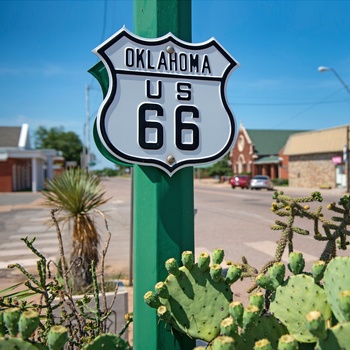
<point>194,63</point>
<point>158,93</point>
<point>206,64</point>
<point>129,57</point>
<point>184,91</point>
<point>183,62</point>
<point>149,59</point>
<point>147,124</point>
<point>173,61</point>
<point>182,126</point>
<point>162,61</point>
<point>139,58</point>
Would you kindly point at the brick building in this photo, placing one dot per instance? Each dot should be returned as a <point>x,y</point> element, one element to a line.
<point>316,158</point>
<point>261,152</point>
<point>23,168</point>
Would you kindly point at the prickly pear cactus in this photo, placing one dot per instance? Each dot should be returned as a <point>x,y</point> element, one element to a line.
<point>336,280</point>
<point>195,297</point>
<point>337,338</point>
<point>263,344</point>
<point>223,343</point>
<point>11,317</point>
<point>287,342</point>
<point>266,326</point>
<point>57,337</point>
<point>16,344</point>
<point>28,322</point>
<point>19,326</point>
<point>294,299</point>
<point>108,341</point>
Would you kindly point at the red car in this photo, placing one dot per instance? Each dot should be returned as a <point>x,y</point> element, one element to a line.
<point>242,181</point>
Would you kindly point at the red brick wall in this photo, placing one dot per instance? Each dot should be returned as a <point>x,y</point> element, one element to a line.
<point>23,175</point>
<point>6,175</point>
<point>241,150</point>
<point>284,165</point>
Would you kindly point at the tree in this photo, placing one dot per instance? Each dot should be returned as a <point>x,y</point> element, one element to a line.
<point>66,142</point>
<point>221,167</point>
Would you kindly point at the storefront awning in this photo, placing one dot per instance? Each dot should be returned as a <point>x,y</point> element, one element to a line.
<point>268,160</point>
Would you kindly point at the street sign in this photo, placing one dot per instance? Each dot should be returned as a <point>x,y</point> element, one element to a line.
<point>166,103</point>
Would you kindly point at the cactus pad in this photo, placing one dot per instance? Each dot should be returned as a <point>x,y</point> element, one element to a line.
<point>108,341</point>
<point>287,342</point>
<point>267,326</point>
<point>337,338</point>
<point>197,303</point>
<point>198,299</point>
<point>223,343</point>
<point>294,299</point>
<point>16,344</point>
<point>28,322</point>
<point>337,279</point>
<point>11,317</point>
<point>57,337</point>
<point>263,344</point>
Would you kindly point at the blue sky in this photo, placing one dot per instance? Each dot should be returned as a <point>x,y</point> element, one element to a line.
<point>46,52</point>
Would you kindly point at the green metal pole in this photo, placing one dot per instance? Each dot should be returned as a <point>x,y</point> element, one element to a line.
<point>163,205</point>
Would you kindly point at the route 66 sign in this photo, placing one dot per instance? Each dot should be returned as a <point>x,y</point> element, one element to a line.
<point>166,104</point>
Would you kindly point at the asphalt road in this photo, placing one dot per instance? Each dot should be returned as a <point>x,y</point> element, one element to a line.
<point>236,220</point>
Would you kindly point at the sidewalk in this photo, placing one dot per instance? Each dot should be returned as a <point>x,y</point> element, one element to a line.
<point>20,200</point>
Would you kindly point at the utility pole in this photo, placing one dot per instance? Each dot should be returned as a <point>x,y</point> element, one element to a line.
<point>322,69</point>
<point>347,160</point>
<point>87,127</point>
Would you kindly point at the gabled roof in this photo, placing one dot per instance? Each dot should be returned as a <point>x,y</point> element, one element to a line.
<point>14,136</point>
<point>317,141</point>
<point>270,142</point>
<point>9,136</point>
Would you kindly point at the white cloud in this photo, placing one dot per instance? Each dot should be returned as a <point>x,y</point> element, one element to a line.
<point>47,70</point>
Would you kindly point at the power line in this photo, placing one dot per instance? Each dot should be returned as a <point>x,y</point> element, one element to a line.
<point>307,109</point>
<point>286,104</point>
<point>103,33</point>
<point>104,21</point>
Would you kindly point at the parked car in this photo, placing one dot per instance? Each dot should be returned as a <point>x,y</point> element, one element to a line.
<point>261,181</point>
<point>242,181</point>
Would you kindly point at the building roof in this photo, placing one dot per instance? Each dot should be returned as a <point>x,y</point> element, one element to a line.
<point>269,142</point>
<point>14,137</point>
<point>9,136</point>
<point>317,141</point>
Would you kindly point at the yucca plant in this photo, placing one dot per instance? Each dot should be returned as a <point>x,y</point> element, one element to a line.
<point>78,192</point>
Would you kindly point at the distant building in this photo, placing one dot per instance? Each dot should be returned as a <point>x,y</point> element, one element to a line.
<point>317,158</point>
<point>21,167</point>
<point>261,152</point>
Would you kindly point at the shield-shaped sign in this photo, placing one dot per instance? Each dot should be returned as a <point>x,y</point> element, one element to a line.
<point>166,103</point>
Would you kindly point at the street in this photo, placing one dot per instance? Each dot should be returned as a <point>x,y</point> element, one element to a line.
<point>236,220</point>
